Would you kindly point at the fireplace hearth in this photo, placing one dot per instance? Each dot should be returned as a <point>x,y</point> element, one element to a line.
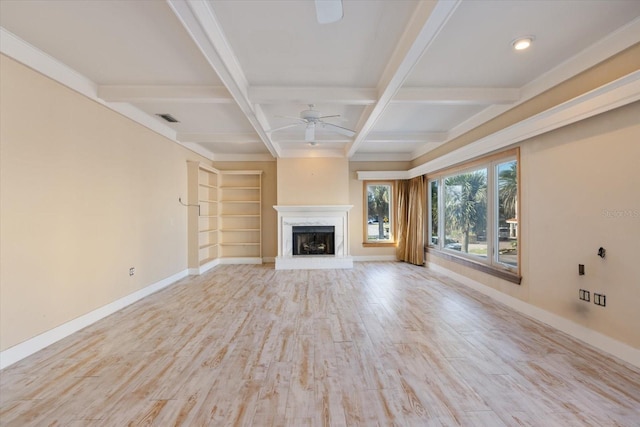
<point>313,240</point>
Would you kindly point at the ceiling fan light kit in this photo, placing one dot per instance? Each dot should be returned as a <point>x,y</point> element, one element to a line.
<point>310,118</point>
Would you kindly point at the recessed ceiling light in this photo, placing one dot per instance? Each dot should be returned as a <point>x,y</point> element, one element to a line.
<point>522,43</point>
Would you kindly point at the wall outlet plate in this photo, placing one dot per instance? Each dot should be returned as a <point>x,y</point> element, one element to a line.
<point>585,295</point>
<point>600,299</point>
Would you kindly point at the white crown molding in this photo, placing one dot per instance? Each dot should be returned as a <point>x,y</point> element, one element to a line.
<point>382,175</point>
<point>381,157</point>
<point>243,158</point>
<point>37,343</point>
<point>25,53</point>
<point>18,49</point>
<point>608,97</point>
<point>614,43</point>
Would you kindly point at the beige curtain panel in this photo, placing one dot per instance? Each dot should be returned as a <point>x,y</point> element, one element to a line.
<point>412,205</point>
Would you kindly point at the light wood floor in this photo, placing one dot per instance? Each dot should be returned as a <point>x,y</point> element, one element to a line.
<point>382,344</point>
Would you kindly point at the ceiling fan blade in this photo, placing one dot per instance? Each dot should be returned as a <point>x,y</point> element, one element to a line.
<point>339,129</point>
<point>328,11</point>
<point>310,132</point>
<point>285,127</point>
<point>329,117</point>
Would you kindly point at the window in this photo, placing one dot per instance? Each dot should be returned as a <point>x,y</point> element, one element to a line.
<point>379,221</point>
<point>474,211</point>
<point>465,212</point>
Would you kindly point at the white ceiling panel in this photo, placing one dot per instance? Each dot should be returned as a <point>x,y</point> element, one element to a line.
<point>427,118</point>
<point>474,49</point>
<point>281,43</point>
<point>111,42</point>
<point>405,75</point>
<point>201,118</point>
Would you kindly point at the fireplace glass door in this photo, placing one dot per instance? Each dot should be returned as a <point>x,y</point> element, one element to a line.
<point>314,240</point>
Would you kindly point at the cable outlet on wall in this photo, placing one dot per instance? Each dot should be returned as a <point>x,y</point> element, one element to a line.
<point>132,271</point>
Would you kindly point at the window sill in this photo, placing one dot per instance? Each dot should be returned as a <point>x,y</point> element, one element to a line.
<point>488,269</point>
<point>378,244</point>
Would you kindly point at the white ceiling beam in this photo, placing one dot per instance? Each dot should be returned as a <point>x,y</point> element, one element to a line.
<point>428,20</point>
<point>230,138</point>
<point>457,95</point>
<point>199,20</point>
<point>183,94</point>
<point>419,137</point>
<point>312,95</point>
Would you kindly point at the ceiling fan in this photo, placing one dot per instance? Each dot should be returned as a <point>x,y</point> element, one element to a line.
<point>311,119</point>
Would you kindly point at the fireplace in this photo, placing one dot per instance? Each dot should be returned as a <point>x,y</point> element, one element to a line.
<point>313,237</point>
<point>313,240</point>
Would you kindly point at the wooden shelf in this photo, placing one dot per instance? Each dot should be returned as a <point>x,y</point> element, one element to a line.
<point>215,187</point>
<point>203,190</point>
<point>240,195</point>
<point>208,245</point>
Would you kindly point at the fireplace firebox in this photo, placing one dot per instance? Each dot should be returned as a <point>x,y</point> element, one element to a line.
<point>313,240</point>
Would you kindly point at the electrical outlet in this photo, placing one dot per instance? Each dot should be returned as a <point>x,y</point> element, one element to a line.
<point>581,269</point>
<point>599,299</point>
<point>132,271</point>
<point>585,295</point>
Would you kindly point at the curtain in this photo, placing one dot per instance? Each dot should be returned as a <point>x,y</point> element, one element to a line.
<point>411,208</point>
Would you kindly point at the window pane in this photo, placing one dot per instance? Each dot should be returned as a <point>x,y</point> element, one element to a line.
<point>378,212</point>
<point>465,200</point>
<point>433,221</point>
<point>507,213</point>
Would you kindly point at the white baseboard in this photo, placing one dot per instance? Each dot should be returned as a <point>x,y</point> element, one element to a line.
<point>365,258</point>
<point>596,339</point>
<point>268,260</point>
<point>37,343</point>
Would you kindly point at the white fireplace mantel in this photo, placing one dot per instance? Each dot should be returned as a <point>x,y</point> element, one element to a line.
<point>297,215</point>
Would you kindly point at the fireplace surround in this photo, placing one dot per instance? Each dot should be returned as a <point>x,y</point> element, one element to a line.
<point>318,219</point>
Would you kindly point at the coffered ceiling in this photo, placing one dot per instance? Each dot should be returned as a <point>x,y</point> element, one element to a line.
<point>406,76</point>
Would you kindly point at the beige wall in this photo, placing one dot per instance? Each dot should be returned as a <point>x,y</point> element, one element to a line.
<point>313,181</point>
<point>84,194</point>
<point>580,190</point>
<point>269,199</point>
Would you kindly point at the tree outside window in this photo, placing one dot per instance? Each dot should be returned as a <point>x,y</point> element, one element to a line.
<point>466,212</point>
<point>474,211</point>
<point>379,218</point>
